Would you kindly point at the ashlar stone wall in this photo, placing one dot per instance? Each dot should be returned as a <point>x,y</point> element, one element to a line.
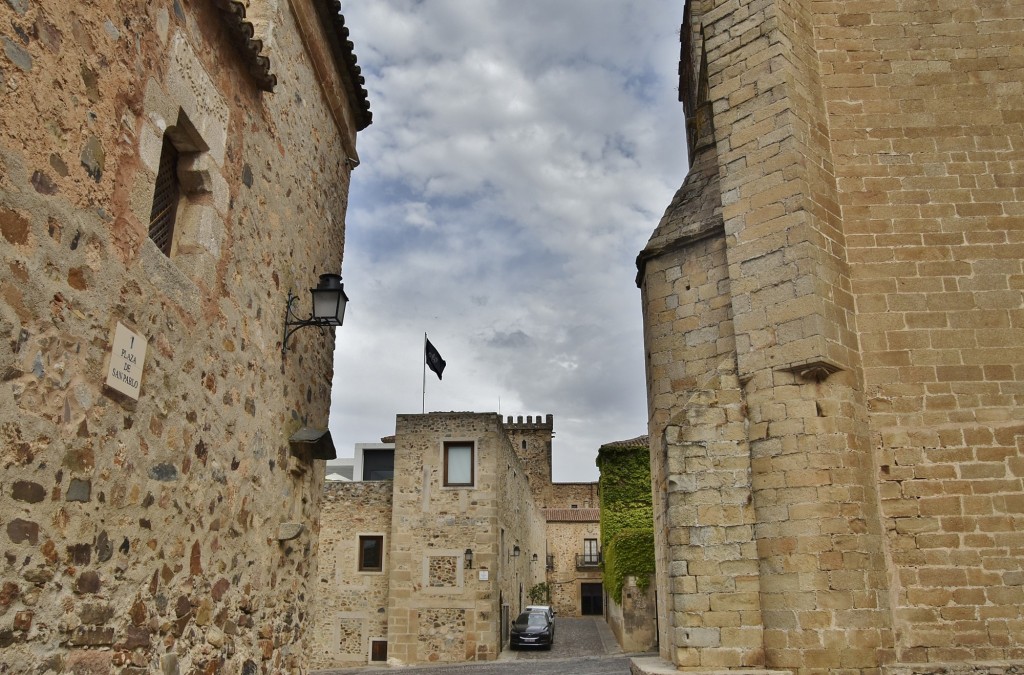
<point>143,535</point>
<point>833,306</point>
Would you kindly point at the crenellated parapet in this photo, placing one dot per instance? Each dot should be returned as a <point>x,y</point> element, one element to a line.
<point>530,422</point>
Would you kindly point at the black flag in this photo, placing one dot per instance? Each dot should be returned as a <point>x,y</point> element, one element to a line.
<point>434,360</point>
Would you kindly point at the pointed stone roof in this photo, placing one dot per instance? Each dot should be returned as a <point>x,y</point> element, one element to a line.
<point>696,209</point>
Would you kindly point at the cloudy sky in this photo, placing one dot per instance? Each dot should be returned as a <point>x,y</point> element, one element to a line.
<point>521,154</point>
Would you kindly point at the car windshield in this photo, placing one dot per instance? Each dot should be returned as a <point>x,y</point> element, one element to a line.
<point>535,619</point>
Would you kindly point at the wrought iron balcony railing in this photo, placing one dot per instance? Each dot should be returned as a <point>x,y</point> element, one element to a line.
<point>585,560</point>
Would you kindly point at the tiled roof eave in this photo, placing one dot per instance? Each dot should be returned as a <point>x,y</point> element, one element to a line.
<point>251,49</point>
<point>345,59</point>
<point>572,515</point>
<point>638,442</point>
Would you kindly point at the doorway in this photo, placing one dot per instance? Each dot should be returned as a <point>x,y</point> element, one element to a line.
<point>591,603</point>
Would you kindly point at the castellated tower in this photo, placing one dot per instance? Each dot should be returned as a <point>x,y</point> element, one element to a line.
<point>531,439</point>
<point>833,316</point>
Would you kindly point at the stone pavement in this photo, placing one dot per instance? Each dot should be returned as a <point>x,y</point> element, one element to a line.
<point>582,645</point>
<point>574,637</point>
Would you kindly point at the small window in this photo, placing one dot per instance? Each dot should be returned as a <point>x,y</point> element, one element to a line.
<point>165,198</point>
<point>371,553</point>
<point>458,464</point>
<point>524,444</point>
<point>378,650</point>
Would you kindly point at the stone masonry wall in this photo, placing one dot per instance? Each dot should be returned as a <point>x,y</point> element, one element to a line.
<point>565,542</point>
<point>351,605</point>
<point>142,535</point>
<point>432,526</point>
<point>927,130</point>
<point>532,439</point>
<point>634,622</point>
<point>833,370</point>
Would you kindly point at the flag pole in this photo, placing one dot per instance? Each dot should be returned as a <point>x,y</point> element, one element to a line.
<point>423,402</point>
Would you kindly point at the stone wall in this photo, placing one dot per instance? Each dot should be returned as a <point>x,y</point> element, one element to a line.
<point>833,314</point>
<point>532,439</point>
<point>439,610</point>
<point>350,605</point>
<point>634,622</point>
<point>565,542</point>
<point>142,535</point>
<point>572,495</point>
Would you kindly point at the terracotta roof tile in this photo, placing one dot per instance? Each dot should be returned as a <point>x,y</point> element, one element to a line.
<point>342,49</point>
<point>638,442</point>
<point>242,31</point>
<point>572,515</point>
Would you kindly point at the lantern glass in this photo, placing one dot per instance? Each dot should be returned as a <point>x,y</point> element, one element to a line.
<point>329,300</point>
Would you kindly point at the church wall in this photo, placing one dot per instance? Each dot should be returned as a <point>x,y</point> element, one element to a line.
<point>143,535</point>
<point>924,114</point>
<point>866,159</point>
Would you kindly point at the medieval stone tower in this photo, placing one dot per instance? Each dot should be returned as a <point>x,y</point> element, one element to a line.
<point>834,322</point>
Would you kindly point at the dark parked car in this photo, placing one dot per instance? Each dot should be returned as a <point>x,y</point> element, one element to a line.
<point>532,629</point>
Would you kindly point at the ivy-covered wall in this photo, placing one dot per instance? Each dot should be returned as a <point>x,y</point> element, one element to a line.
<point>627,514</point>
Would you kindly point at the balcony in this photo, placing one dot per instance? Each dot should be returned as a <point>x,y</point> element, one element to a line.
<point>588,560</point>
<point>551,562</point>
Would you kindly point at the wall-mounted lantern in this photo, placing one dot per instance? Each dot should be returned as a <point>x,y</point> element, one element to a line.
<point>514,553</point>
<point>533,559</point>
<point>329,302</point>
<point>469,558</point>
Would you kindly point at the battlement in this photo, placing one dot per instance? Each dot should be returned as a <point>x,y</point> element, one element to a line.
<point>548,422</point>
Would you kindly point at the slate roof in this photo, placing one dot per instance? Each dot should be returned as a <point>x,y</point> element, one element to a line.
<point>572,515</point>
<point>342,49</point>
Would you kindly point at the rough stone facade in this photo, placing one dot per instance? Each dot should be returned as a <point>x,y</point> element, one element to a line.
<point>634,618</point>
<point>531,437</point>
<point>833,318</point>
<point>351,605</point>
<point>428,604</point>
<point>567,530</point>
<point>428,528</point>
<point>176,532</point>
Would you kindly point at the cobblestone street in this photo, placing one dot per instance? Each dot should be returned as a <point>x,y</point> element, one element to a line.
<point>583,646</point>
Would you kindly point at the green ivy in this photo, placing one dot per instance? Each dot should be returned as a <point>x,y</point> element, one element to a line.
<point>627,516</point>
<point>629,554</point>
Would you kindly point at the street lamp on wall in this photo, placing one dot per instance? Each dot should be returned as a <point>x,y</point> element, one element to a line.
<point>469,558</point>
<point>514,553</point>
<point>329,302</point>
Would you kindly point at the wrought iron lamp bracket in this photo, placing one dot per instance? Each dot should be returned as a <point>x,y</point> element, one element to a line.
<point>292,322</point>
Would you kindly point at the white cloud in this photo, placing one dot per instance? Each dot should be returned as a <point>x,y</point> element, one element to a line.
<point>520,156</point>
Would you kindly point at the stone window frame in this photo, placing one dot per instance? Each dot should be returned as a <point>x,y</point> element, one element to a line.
<point>460,576</point>
<point>450,443</point>
<point>186,107</point>
<point>359,552</point>
<point>191,174</point>
<point>369,648</point>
